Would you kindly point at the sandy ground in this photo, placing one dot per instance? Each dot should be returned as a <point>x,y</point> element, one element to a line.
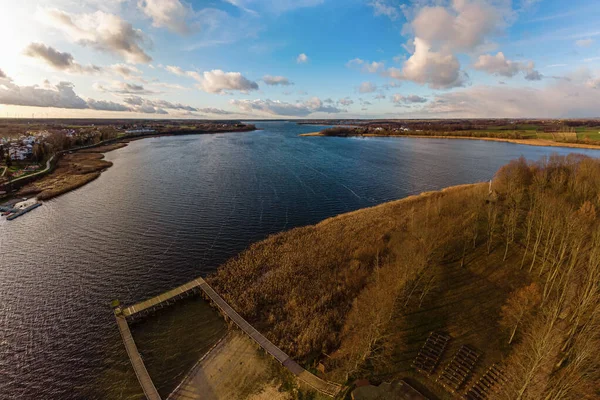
<point>529,142</point>
<point>232,370</point>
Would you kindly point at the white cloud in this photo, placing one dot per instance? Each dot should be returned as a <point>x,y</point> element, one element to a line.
<point>2,74</point>
<point>367,87</point>
<point>560,100</point>
<point>156,106</point>
<point>276,107</point>
<point>365,66</point>
<point>218,81</point>
<point>413,98</point>
<point>380,96</point>
<point>500,65</point>
<point>383,7</point>
<point>584,42</point>
<point>217,111</point>
<point>102,31</point>
<point>123,88</point>
<point>170,14</point>
<point>462,27</point>
<point>346,101</point>
<point>61,95</point>
<point>105,105</point>
<point>276,80</point>
<point>126,71</point>
<point>440,33</point>
<point>439,70</point>
<point>175,70</point>
<point>302,58</point>
<point>58,60</point>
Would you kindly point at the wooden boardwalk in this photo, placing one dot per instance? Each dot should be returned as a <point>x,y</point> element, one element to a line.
<point>325,387</point>
<point>136,360</point>
<point>161,298</point>
<point>328,388</point>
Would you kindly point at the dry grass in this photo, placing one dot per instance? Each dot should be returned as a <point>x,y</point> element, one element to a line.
<point>360,292</point>
<point>73,171</point>
<point>297,287</point>
<point>104,149</point>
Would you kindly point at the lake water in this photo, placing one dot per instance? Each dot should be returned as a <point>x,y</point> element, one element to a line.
<point>173,208</point>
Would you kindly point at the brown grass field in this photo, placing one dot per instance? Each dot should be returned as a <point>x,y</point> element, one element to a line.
<point>72,171</point>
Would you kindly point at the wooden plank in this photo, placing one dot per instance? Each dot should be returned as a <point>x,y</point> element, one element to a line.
<point>136,360</point>
<point>155,301</point>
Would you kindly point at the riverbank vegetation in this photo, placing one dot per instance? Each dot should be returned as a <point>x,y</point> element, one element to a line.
<point>72,171</point>
<point>570,133</point>
<point>511,270</point>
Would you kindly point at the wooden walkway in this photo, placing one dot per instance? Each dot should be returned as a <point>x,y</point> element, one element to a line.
<point>328,388</point>
<point>136,360</point>
<point>161,298</point>
<point>325,387</point>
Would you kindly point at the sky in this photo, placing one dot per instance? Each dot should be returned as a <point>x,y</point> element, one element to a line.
<point>253,59</point>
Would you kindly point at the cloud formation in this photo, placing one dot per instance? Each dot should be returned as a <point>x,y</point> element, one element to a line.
<point>276,80</point>
<point>367,87</point>
<point>61,95</point>
<point>276,107</point>
<point>578,98</point>
<point>302,58</point>
<point>501,66</point>
<point>441,33</point>
<point>58,60</point>
<point>410,99</point>
<point>438,70</point>
<point>125,70</point>
<point>217,111</point>
<point>149,106</point>
<point>102,31</point>
<point>584,42</point>
<point>218,81</point>
<point>170,14</point>
<point>123,88</point>
<point>365,66</point>
<point>381,7</point>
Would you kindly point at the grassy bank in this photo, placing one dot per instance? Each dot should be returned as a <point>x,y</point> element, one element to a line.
<point>72,171</point>
<point>512,273</point>
<point>533,141</point>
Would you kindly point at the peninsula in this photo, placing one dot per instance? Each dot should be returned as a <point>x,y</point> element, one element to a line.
<point>584,133</point>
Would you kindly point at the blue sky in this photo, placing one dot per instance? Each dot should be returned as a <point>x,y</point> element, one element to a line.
<point>300,59</point>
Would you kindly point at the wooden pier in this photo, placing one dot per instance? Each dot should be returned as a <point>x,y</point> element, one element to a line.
<point>322,386</point>
<point>154,302</point>
<point>136,360</point>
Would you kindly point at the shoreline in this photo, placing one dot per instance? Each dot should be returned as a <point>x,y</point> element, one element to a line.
<point>38,187</point>
<point>527,142</point>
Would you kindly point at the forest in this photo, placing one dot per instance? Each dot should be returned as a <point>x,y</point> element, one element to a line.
<point>511,268</point>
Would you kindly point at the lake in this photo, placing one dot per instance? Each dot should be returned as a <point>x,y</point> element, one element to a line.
<point>171,209</point>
